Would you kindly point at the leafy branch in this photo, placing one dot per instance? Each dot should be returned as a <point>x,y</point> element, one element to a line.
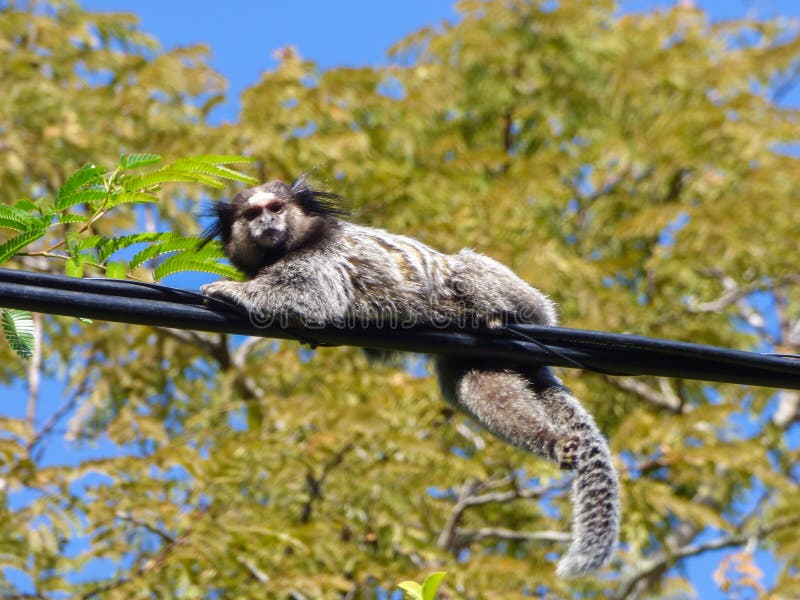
<point>85,198</point>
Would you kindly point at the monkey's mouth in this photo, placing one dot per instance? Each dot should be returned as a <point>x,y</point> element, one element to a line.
<point>266,236</point>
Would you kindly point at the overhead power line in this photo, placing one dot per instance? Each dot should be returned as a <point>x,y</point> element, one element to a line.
<point>610,353</point>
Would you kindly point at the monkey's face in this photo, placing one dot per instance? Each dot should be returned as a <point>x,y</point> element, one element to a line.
<point>265,217</point>
<point>262,224</point>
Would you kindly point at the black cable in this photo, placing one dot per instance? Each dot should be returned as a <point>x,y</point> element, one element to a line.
<point>149,304</point>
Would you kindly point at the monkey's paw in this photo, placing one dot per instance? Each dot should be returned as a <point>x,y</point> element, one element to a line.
<point>224,290</point>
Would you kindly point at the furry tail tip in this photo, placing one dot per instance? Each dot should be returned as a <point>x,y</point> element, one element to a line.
<point>572,566</point>
<point>595,524</point>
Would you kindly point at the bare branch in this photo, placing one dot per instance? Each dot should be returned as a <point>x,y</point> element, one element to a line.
<point>189,336</point>
<point>665,397</point>
<point>469,496</point>
<point>59,414</point>
<point>34,370</point>
<point>148,566</point>
<point>244,349</point>
<point>788,410</point>
<point>254,571</point>
<point>165,537</point>
<point>470,535</point>
<point>787,85</point>
<point>635,585</point>
<point>447,535</point>
<point>315,484</point>
<point>733,291</point>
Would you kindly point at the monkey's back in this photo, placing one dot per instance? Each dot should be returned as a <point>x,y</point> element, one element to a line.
<point>395,276</point>
<point>391,273</point>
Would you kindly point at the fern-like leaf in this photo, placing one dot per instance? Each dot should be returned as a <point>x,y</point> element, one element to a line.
<point>116,270</point>
<point>151,180</point>
<point>15,218</point>
<point>130,198</point>
<point>175,245</point>
<point>10,247</point>
<point>108,246</point>
<point>84,243</point>
<point>203,178</point>
<point>222,159</point>
<point>134,161</point>
<point>205,169</point>
<point>12,224</point>
<point>27,205</point>
<point>181,262</point>
<point>74,265</point>
<point>86,175</point>
<point>18,328</point>
<point>193,165</point>
<point>72,218</point>
<point>92,196</point>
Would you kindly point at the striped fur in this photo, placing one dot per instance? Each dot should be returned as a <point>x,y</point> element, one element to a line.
<point>306,266</point>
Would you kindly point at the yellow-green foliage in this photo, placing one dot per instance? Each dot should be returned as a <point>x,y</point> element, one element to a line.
<point>564,140</point>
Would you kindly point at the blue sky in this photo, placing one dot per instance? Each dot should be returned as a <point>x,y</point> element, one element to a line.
<point>243,34</point>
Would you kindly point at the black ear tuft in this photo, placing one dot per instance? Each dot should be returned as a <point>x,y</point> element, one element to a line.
<point>319,202</point>
<point>222,213</point>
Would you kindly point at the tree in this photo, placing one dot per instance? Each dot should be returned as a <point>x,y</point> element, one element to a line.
<point>631,166</point>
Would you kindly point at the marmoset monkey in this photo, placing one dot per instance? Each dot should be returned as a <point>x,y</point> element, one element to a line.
<point>306,265</point>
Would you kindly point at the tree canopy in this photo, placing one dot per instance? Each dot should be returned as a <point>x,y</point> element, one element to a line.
<point>637,168</point>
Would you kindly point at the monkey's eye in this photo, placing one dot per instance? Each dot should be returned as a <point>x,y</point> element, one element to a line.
<point>251,213</point>
<point>275,207</point>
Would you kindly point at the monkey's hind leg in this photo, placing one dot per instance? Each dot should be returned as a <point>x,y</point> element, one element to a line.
<point>503,402</point>
<point>536,413</point>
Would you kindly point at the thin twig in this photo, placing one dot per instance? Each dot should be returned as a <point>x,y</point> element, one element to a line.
<point>56,416</point>
<point>647,567</point>
<point>663,398</point>
<point>471,535</point>
<point>34,371</point>
<point>315,484</point>
<point>470,496</point>
<point>165,537</point>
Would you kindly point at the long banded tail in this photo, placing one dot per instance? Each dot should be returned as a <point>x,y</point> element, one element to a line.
<point>595,494</point>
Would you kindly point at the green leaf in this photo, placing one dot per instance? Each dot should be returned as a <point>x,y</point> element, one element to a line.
<point>134,161</point>
<point>17,213</point>
<point>11,224</point>
<point>27,205</point>
<point>222,159</point>
<point>91,196</point>
<point>73,267</point>
<point>412,588</point>
<point>13,217</point>
<point>18,328</point>
<point>107,246</point>
<point>181,262</point>
<point>192,165</point>
<point>205,169</point>
<point>17,243</point>
<point>84,243</point>
<point>86,175</point>
<point>150,180</point>
<point>174,245</point>
<point>207,180</point>
<point>130,198</point>
<point>72,218</point>
<point>431,585</point>
<point>116,270</point>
